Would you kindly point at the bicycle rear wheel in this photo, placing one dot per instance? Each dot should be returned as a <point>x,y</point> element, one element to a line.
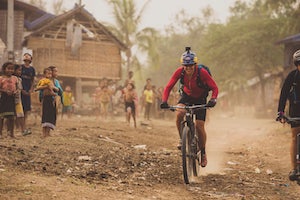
<point>188,162</point>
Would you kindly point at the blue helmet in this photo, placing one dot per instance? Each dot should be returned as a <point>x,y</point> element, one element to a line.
<point>188,57</point>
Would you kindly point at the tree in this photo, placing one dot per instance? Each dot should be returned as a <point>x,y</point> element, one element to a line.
<point>127,30</point>
<point>244,46</point>
<point>185,31</point>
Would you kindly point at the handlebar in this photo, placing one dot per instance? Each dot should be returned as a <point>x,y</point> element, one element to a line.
<point>291,120</point>
<point>186,107</point>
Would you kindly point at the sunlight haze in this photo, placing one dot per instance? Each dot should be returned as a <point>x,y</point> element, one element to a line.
<point>159,13</point>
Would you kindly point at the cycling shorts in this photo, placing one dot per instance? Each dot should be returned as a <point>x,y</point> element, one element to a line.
<point>188,100</point>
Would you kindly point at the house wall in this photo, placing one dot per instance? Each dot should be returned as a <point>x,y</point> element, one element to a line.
<point>95,60</point>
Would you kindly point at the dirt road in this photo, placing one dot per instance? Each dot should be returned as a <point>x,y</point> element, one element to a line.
<point>89,159</point>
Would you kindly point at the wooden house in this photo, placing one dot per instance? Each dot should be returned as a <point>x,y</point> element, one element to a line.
<point>26,18</point>
<point>83,50</point>
<point>291,44</point>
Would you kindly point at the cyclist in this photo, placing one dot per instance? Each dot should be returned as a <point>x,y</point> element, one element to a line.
<point>291,91</point>
<point>192,94</point>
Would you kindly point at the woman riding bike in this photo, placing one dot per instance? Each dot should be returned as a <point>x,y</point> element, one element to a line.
<point>192,94</point>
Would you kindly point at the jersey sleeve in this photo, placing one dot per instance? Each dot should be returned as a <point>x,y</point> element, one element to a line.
<point>173,80</point>
<point>285,90</point>
<point>209,81</point>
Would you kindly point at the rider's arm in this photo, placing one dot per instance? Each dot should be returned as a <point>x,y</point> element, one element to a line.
<point>206,78</point>
<point>173,80</point>
<point>285,91</point>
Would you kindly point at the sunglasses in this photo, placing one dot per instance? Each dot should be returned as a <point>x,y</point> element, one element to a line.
<point>189,66</point>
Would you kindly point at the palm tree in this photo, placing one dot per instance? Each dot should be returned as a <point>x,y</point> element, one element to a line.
<point>127,20</point>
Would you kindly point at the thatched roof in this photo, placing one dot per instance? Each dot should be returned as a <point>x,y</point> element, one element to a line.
<point>33,15</point>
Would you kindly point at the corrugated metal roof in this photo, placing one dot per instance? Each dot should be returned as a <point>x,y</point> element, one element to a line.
<point>290,39</point>
<point>38,22</point>
<point>34,16</point>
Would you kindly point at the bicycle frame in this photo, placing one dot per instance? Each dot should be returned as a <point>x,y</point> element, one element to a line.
<point>296,120</point>
<point>189,141</point>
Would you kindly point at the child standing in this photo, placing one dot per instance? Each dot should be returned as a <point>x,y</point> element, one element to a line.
<point>49,103</point>
<point>20,121</point>
<point>105,96</point>
<point>27,75</point>
<point>8,90</point>
<point>68,102</point>
<point>130,100</point>
<point>148,97</point>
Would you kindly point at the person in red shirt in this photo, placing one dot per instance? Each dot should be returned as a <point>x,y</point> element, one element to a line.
<point>192,94</point>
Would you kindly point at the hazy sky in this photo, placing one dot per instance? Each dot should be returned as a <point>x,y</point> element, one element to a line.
<point>159,13</point>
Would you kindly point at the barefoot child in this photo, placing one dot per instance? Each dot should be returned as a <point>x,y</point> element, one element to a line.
<point>104,97</point>
<point>20,120</point>
<point>130,98</point>
<point>8,90</point>
<point>68,102</point>
<point>48,101</point>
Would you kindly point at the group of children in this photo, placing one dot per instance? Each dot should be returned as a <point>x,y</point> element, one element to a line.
<point>148,103</point>
<point>105,95</point>
<point>15,97</point>
<point>11,104</point>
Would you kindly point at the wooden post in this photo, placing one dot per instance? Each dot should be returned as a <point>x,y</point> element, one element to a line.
<point>10,30</point>
<point>78,92</point>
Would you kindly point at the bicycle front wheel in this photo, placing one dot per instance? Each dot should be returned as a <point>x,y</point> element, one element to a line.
<point>188,161</point>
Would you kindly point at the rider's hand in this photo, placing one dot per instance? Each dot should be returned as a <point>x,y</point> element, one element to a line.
<point>164,105</point>
<point>212,102</point>
<point>280,117</point>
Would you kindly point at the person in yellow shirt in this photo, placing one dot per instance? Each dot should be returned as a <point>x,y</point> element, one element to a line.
<point>68,102</point>
<point>46,84</point>
<point>148,98</point>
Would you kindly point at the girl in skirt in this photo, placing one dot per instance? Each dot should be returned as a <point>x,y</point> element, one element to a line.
<point>8,90</point>
<point>49,104</point>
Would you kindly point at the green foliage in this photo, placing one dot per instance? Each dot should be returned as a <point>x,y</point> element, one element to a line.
<point>236,51</point>
<point>127,29</point>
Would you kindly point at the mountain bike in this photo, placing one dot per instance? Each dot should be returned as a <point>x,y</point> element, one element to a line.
<point>296,120</point>
<point>190,142</point>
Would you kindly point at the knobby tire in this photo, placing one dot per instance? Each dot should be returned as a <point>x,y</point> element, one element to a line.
<point>196,161</point>
<point>188,162</point>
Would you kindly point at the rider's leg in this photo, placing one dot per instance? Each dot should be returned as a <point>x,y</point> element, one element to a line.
<point>201,133</point>
<point>293,152</point>
<point>179,118</point>
<point>202,141</point>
